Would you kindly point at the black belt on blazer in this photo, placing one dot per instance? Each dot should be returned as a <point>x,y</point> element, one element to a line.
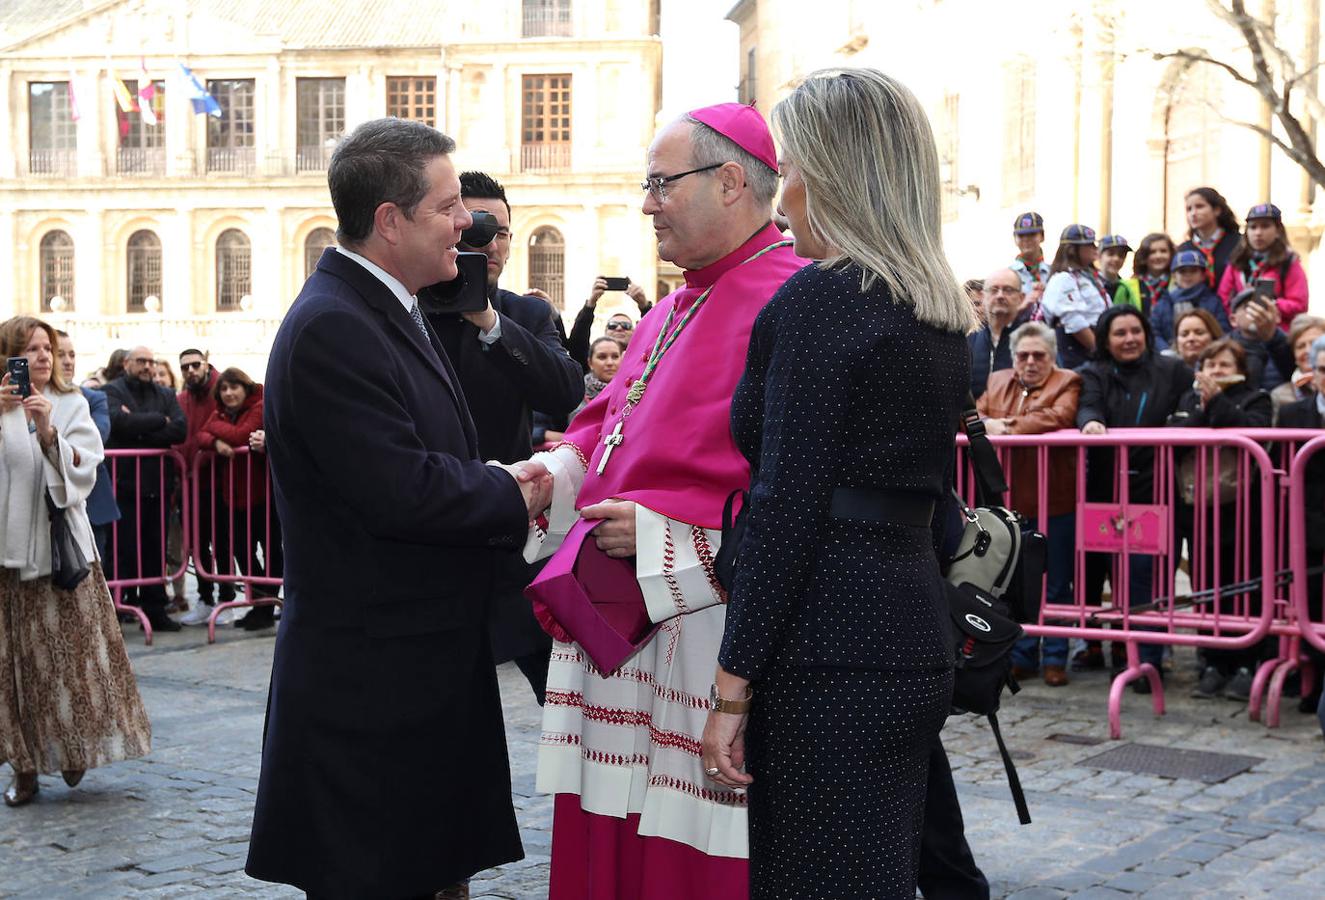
<point>882,506</point>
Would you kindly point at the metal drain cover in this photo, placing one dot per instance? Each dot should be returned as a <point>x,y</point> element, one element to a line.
<point>1172,762</point>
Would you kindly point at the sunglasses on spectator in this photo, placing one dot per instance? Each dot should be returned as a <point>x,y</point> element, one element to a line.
<point>190,366</point>
<point>1027,355</point>
<point>619,326</point>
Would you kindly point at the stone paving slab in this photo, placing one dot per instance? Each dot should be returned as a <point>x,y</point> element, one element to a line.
<point>176,823</point>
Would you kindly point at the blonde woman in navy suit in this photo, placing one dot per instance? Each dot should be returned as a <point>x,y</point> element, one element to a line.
<point>835,639</point>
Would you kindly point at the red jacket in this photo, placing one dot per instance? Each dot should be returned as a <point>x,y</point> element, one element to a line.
<point>234,473</point>
<point>1291,296</point>
<point>197,410</point>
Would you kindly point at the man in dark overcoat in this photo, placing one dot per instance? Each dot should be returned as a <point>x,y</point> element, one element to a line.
<point>384,767</point>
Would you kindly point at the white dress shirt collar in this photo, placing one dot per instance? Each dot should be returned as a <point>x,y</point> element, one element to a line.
<point>406,299</point>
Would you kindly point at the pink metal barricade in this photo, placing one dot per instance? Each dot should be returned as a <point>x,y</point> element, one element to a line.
<point>1230,486</point>
<point>1306,566</point>
<point>146,483</point>
<point>234,498</point>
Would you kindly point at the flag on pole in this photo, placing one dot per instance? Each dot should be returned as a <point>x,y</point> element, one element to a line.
<point>73,99</point>
<point>202,101</point>
<point>123,97</point>
<point>146,95</point>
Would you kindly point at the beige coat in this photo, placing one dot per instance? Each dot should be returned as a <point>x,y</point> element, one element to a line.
<point>26,474</point>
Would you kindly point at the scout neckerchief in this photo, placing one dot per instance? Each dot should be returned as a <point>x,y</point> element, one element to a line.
<point>661,345</point>
<point>1098,280</point>
<point>1033,267</point>
<point>1207,247</point>
<point>1255,266</point>
<point>1151,287</point>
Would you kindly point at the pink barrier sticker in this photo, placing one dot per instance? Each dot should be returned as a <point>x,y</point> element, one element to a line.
<point>1103,525</point>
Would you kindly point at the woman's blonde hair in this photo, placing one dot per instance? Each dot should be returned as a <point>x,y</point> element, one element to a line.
<point>14,336</point>
<point>863,145</point>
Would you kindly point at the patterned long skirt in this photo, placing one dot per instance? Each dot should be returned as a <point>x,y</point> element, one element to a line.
<point>68,699</point>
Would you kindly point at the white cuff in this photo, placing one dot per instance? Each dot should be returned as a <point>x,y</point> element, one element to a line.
<point>674,564</point>
<point>564,465</point>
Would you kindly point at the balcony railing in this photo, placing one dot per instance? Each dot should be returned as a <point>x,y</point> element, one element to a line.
<point>140,160</point>
<point>314,158</point>
<point>545,157</point>
<point>231,160</point>
<point>60,163</point>
<point>547,21</point>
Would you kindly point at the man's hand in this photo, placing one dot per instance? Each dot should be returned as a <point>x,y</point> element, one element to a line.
<point>485,321</point>
<point>535,483</point>
<point>599,286</point>
<point>1094,428</point>
<point>636,293</point>
<point>257,441</point>
<point>996,426</point>
<point>615,534</point>
<point>1265,319</point>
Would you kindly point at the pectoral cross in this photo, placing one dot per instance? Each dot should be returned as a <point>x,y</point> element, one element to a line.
<point>611,442</point>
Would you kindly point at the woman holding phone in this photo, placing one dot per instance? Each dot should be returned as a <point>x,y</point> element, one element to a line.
<point>68,700</point>
<point>1263,260</point>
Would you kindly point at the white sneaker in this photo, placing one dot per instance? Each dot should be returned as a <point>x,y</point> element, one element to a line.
<point>198,615</point>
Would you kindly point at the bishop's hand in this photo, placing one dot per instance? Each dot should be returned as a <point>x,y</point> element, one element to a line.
<point>615,534</point>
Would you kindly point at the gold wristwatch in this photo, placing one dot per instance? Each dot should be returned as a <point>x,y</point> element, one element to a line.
<point>735,707</point>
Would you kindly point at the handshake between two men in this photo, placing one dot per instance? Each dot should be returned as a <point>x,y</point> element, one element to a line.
<point>615,533</point>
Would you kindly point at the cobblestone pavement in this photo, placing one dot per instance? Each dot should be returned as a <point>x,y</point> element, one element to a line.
<point>176,824</point>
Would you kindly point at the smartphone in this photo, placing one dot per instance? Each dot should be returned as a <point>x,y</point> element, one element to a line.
<point>18,375</point>
<point>467,292</point>
<point>1265,289</point>
<point>616,284</point>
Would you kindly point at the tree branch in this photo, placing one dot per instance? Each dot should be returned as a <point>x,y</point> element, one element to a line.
<point>1205,58</point>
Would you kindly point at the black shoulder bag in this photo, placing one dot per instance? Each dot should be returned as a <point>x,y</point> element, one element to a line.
<point>68,564</point>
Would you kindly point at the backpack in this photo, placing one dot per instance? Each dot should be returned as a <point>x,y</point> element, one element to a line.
<point>994,579</point>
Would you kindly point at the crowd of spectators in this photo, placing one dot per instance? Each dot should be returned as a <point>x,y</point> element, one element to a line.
<point>1210,332</point>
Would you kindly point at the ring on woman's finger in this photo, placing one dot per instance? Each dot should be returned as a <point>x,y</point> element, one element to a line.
<point>711,772</point>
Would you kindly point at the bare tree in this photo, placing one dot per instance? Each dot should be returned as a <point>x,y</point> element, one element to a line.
<point>1277,75</point>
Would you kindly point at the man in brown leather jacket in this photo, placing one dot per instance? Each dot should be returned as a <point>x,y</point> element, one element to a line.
<point>1033,397</point>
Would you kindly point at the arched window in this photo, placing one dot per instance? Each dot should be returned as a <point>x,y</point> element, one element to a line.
<point>234,270</point>
<point>143,269</point>
<point>547,264</point>
<point>57,269</point>
<point>318,240</point>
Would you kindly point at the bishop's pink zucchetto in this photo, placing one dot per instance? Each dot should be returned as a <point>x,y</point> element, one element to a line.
<point>742,125</point>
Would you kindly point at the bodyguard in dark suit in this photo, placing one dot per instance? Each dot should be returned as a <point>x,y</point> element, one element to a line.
<point>384,769</point>
<point>511,361</point>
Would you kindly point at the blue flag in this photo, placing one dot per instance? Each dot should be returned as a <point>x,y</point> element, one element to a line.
<point>202,101</point>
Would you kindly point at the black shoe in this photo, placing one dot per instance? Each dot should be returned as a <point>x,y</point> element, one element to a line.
<point>1239,686</point>
<point>258,618</point>
<point>1088,659</point>
<point>1142,685</point>
<point>162,622</point>
<point>1211,684</point>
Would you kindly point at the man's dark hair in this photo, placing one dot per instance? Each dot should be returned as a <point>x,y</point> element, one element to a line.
<point>381,161</point>
<point>184,353</point>
<point>484,187</point>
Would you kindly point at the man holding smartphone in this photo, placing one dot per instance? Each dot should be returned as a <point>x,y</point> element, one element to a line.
<point>578,340</point>
<point>1256,327</point>
<point>384,767</point>
<point>511,363</point>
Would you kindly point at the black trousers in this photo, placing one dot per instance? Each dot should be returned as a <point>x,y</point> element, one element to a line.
<point>947,868</point>
<point>141,555</point>
<point>212,533</point>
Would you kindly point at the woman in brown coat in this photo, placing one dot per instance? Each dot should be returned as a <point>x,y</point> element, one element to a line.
<point>1034,397</point>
